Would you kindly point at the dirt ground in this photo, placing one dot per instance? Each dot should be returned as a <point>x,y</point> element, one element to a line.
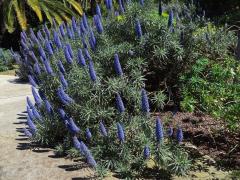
<point>211,137</point>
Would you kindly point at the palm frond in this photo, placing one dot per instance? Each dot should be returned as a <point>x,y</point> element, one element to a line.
<point>60,10</point>
<point>65,16</point>
<point>56,16</point>
<point>76,6</point>
<point>59,6</point>
<point>46,11</point>
<point>20,11</point>
<point>34,4</point>
<point>8,13</point>
<point>57,10</point>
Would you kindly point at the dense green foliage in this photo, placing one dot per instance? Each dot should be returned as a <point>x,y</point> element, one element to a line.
<point>213,86</point>
<point>6,60</point>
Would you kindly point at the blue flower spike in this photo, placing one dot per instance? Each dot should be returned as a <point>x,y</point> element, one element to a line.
<point>102,129</point>
<point>159,130</point>
<point>117,65</point>
<point>144,100</point>
<point>120,132</point>
<point>179,135</point>
<point>88,134</point>
<point>119,103</point>
<point>146,152</point>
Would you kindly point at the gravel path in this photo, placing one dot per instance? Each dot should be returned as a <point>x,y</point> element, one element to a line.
<point>17,162</point>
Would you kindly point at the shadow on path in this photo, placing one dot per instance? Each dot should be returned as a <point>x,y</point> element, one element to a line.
<point>73,167</point>
<point>56,156</point>
<point>85,178</point>
<point>20,122</point>
<point>21,139</point>
<point>22,114</point>
<point>19,129</point>
<point>22,117</point>
<point>17,81</point>
<point>25,144</point>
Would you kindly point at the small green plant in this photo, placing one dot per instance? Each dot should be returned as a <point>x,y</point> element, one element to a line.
<point>188,104</point>
<point>59,150</point>
<point>159,99</point>
<point>101,170</point>
<point>73,153</point>
<point>235,174</point>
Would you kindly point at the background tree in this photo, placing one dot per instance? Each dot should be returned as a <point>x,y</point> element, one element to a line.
<point>17,10</point>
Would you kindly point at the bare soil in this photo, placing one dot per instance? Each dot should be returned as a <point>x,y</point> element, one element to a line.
<point>211,137</point>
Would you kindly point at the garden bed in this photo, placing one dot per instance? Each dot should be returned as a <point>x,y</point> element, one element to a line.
<point>96,88</point>
<point>211,137</point>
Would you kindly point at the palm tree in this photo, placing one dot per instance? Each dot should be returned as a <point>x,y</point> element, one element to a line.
<point>90,4</point>
<point>16,10</point>
<point>1,20</point>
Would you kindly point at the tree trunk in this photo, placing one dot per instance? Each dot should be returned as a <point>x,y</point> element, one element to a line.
<point>92,6</point>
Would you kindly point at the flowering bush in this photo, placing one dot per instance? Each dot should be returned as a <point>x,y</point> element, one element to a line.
<point>88,81</point>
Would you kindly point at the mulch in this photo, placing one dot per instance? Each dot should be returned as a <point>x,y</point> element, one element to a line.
<point>211,137</point>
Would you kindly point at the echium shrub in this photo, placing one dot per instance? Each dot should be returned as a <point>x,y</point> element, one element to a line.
<point>91,74</point>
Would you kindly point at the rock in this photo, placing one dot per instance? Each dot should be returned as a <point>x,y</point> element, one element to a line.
<point>199,165</point>
<point>192,149</point>
<point>208,160</point>
<point>151,163</point>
